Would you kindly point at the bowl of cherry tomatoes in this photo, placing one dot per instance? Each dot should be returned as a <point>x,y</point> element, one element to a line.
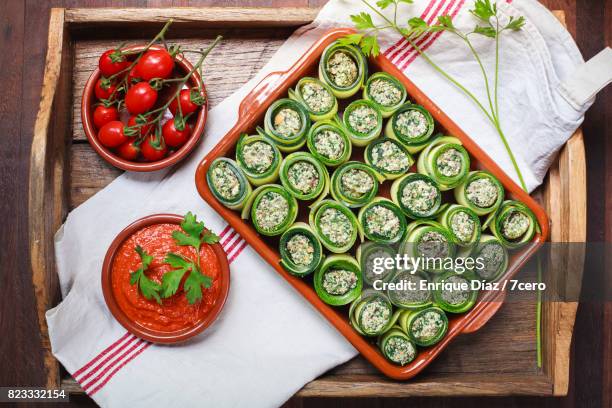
<point>144,107</point>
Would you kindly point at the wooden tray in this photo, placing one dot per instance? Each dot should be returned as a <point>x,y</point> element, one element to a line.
<point>251,113</point>
<point>65,171</point>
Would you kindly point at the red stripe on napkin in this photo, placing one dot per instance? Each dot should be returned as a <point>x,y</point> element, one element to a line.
<point>401,43</point>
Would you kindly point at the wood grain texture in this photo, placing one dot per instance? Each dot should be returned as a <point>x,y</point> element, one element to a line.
<point>25,23</point>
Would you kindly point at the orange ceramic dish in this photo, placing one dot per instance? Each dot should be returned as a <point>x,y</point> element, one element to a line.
<point>197,123</point>
<point>251,112</point>
<point>174,319</point>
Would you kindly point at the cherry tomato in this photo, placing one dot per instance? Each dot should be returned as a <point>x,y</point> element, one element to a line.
<point>102,115</point>
<point>108,67</point>
<point>151,152</point>
<point>187,106</point>
<point>140,98</point>
<point>155,64</point>
<point>101,92</point>
<point>111,134</point>
<point>174,137</point>
<point>144,130</point>
<point>129,151</point>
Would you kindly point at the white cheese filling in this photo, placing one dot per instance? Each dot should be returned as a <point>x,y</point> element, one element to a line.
<point>258,156</point>
<point>225,181</point>
<point>450,163</point>
<point>389,157</point>
<point>400,350</point>
<point>272,210</point>
<point>374,316</point>
<point>419,196</point>
<point>335,226</point>
<point>342,69</point>
<point>300,249</point>
<point>433,245</point>
<point>303,176</point>
<point>515,225</point>
<point>287,122</point>
<point>411,123</point>
<point>427,326</point>
<point>339,281</point>
<point>329,144</point>
<point>363,119</point>
<point>455,297</point>
<point>356,183</point>
<point>382,221</point>
<point>492,257</point>
<point>385,92</point>
<point>316,97</point>
<point>482,192</point>
<point>462,225</point>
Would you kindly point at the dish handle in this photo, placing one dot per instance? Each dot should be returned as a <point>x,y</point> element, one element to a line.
<point>483,317</point>
<point>258,94</point>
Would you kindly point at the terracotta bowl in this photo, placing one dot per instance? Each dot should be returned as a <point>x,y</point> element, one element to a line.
<point>182,67</point>
<point>151,335</point>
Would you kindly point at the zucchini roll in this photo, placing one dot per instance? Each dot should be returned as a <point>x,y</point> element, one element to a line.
<point>410,290</point>
<point>417,195</point>
<point>397,347</point>
<point>481,192</point>
<point>354,184</point>
<point>259,158</point>
<point>367,253</point>
<point>273,209</point>
<point>425,327</point>
<point>335,225</point>
<point>329,143</point>
<point>363,121</point>
<point>228,183</point>
<point>317,98</point>
<point>446,161</point>
<point>371,314</point>
<point>431,241</point>
<point>388,157</point>
<point>493,256</point>
<point>287,123</point>
<point>338,280</point>
<point>412,125</point>
<point>463,224</point>
<point>456,294</point>
<point>381,221</point>
<point>386,91</point>
<point>344,68</point>
<point>300,250</point>
<point>304,176</point>
<point>514,224</point>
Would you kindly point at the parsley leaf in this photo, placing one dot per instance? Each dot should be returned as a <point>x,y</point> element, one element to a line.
<point>363,21</point>
<point>383,4</point>
<point>484,10</point>
<point>171,280</point>
<point>515,24</point>
<point>149,288</point>
<point>194,283</point>
<point>369,46</point>
<point>486,31</point>
<point>351,39</point>
<point>194,236</point>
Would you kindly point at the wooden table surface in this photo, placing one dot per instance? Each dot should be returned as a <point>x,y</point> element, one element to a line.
<point>23,25</point>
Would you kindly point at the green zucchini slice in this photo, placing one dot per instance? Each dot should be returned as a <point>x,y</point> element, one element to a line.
<point>371,314</point>
<point>411,125</point>
<point>431,241</point>
<point>388,157</point>
<point>366,255</point>
<point>386,91</point>
<point>338,280</point>
<point>228,183</point>
<point>453,293</point>
<point>304,176</point>
<point>481,192</point>
<point>463,224</point>
<point>259,158</point>
<point>514,224</point>
<point>335,225</point>
<point>329,143</point>
<point>363,121</point>
<point>300,249</point>
<point>354,184</point>
<point>382,221</point>
<point>493,256</point>
<point>273,210</point>
<point>397,347</point>
<point>446,161</point>
<point>286,123</point>
<point>417,195</point>
<point>409,290</point>
<point>425,327</point>
<point>317,97</point>
<point>344,68</point>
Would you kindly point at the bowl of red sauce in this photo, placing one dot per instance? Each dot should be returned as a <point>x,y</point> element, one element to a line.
<point>167,320</point>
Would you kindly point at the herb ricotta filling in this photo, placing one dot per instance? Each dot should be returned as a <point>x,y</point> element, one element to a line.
<point>329,144</point>
<point>225,181</point>
<point>336,226</point>
<point>419,196</point>
<point>515,225</point>
<point>385,92</point>
<point>339,281</point>
<point>433,245</point>
<point>492,257</point>
<point>456,296</point>
<point>287,122</point>
<point>400,350</point>
<point>300,249</point>
<point>272,210</point>
<point>462,225</point>
<point>382,221</point>
<point>342,69</point>
<point>482,192</point>
<point>303,176</point>
<point>369,265</point>
<point>356,183</point>
<point>427,326</point>
<point>258,156</point>
<point>450,162</point>
<point>374,316</point>
<point>363,119</point>
<point>389,157</point>
<point>411,123</point>
<point>316,97</point>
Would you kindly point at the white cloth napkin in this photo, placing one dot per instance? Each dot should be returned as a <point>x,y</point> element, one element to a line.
<point>268,341</point>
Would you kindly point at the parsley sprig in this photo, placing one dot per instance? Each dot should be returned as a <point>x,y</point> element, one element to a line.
<point>194,235</point>
<point>488,25</point>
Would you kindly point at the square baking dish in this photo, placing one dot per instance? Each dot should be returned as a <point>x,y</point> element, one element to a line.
<point>251,113</point>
